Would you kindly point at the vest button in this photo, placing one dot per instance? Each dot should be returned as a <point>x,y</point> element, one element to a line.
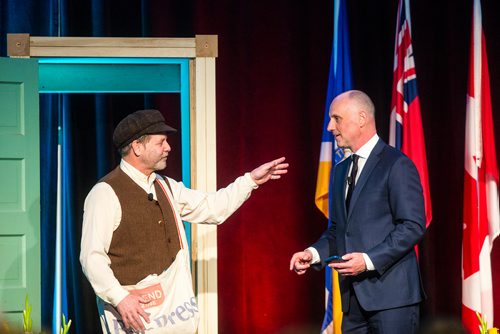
<point>169,240</point>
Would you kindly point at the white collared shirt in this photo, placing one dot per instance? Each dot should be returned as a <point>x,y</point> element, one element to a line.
<point>102,216</point>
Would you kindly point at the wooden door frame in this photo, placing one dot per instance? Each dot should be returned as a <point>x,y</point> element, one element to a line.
<point>201,52</point>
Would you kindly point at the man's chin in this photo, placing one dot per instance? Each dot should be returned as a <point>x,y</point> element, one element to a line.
<point>161,166</point>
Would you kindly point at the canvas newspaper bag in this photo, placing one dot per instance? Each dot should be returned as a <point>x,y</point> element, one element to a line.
<point>172,306</point>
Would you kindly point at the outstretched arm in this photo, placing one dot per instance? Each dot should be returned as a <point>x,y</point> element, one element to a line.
<point>214,208</point>
<point>271,170</point>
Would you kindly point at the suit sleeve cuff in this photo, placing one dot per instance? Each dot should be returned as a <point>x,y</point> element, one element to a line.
<point>368,262</point>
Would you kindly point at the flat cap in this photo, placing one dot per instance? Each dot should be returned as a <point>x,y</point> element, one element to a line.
<point>140,123</point>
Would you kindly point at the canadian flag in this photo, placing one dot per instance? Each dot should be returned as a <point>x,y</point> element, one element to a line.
<point>481,219</point>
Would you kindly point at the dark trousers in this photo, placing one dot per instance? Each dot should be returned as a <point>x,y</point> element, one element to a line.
<point>392,321</point>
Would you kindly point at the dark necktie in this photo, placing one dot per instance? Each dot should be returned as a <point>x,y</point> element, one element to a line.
<point>351,180</point>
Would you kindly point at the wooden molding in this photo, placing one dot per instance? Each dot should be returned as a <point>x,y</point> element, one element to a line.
<point>18,45</point>
<point>24,45</point>
<point>206,46</point>
<point>205,167</point>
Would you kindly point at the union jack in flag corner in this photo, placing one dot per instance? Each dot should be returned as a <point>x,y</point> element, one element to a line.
<point>406,131</point>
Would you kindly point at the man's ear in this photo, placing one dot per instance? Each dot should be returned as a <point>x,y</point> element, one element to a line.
<point>137,148</point>
<point>363,117</point>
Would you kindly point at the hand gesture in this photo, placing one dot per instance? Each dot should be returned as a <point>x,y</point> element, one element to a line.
<point>301,261</point>
<point>271,170</point>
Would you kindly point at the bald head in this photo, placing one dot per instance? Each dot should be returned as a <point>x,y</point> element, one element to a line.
<point>358,99</point>
<point>352,119</point>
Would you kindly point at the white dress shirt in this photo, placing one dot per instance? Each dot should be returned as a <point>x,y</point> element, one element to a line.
<point>363,153</point>
<point>102,215</point>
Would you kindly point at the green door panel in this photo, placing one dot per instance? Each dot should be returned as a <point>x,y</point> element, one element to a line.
<point>19,190</point>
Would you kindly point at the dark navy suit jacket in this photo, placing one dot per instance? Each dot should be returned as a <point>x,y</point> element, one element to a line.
<point>386,220</point>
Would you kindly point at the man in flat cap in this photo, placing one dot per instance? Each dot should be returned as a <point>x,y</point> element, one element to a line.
<point>132,222</point>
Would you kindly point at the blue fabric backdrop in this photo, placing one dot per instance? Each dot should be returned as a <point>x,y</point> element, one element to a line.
<point>57,111</point>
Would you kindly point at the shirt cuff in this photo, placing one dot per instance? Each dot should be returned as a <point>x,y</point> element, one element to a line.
<point>250,182</point>
<point>368,262</point>
<point>315,254</point>
<point>116,295</point>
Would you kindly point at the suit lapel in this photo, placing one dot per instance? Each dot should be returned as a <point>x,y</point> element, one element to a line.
<point>370,164</point>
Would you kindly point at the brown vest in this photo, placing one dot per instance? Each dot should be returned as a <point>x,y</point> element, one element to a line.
<point>146,242</point>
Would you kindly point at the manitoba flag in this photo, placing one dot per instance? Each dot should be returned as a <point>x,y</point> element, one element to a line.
<point>339,81</point>
<point>481,220</point>
<point>406,133</point>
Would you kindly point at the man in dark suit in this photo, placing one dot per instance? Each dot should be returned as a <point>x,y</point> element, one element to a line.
<point>378,217</point>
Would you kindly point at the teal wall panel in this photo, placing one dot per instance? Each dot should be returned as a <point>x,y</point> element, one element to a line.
<point>109,78</point>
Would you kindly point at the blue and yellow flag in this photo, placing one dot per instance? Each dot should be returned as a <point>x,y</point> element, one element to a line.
<point>339,80</point>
